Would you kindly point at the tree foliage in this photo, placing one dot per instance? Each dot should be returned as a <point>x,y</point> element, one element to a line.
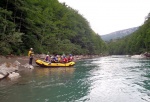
<point>136,43</point>
<point>47,26</point>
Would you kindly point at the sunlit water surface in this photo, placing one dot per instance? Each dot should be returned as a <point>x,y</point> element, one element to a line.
<point>105,79</point>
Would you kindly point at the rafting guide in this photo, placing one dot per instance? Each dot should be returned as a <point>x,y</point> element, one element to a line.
<point>30,54</point>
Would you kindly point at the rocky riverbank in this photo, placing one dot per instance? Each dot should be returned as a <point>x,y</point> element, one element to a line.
<point>11,65</point>
<point>11,69</point>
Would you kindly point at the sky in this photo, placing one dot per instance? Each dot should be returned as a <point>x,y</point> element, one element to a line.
<point>107,16</point>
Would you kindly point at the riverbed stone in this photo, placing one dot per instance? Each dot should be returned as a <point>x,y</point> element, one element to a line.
<point>13,75</point>
<point>1,76</point>
<point>28,66</point>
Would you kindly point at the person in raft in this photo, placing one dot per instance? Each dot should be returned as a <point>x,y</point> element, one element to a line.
<point>70,58</point>
<point>47,58</point>
<point>30,54</point>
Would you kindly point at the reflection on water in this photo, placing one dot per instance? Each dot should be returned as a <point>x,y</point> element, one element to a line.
<point>105,79</point>
<point>58,71</point>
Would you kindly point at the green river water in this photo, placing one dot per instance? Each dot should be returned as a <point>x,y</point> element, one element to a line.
<point>104,79</point>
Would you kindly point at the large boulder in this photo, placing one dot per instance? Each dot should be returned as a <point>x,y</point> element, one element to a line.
<point>7,68</point>
<point>13,75</point>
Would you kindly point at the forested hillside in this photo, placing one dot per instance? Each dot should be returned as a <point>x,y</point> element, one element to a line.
<point>136,43</point>
<point>46,26</point>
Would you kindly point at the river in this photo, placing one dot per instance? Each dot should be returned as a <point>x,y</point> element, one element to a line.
<point>104,79</point>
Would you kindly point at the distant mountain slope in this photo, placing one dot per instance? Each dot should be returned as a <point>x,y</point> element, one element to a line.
<point>118,34</point>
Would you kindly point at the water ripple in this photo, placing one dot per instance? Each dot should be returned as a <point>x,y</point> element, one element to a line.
<point>104,79</point>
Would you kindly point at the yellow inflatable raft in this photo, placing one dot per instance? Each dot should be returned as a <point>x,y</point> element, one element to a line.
<point>47,64</point>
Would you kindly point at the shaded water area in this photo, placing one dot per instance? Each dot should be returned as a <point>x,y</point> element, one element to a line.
<point>105,79</point>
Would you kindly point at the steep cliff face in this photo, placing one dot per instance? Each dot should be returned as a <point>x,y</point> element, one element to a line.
<point>118,34</point>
